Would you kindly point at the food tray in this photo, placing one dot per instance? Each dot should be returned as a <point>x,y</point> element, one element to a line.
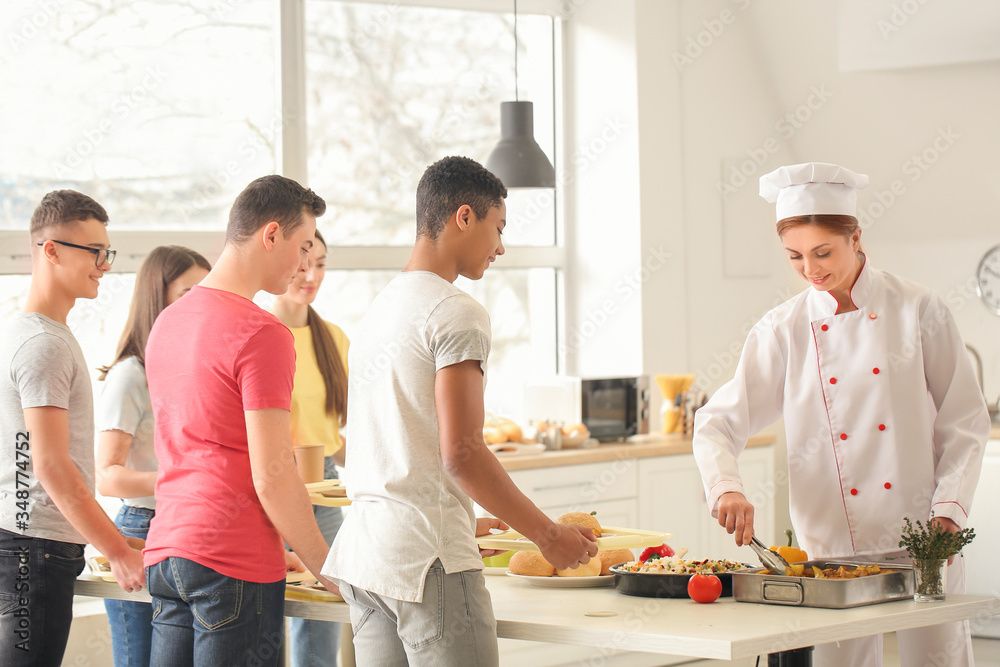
<point>612,538</point>
<point>759,585</point>
<point>310,590</point>
<point>663,585</point>
<point>328,493</point>
<point>100,568</point>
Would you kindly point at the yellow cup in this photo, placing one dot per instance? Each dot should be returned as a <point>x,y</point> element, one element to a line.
<point>309,462</point>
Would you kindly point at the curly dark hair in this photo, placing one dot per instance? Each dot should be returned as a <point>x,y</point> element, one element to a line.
<point>271,198</point>
<point>450,183</point>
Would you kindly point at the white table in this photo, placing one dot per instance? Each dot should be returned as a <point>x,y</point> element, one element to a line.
<point>724,630</point>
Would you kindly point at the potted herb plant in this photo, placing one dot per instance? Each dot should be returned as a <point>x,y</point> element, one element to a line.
<point>930,547</point>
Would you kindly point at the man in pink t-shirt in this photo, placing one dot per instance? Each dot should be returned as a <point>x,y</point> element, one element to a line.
<point>220,375</point>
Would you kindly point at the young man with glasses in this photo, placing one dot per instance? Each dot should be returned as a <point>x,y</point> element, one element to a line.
<point>47,439</point>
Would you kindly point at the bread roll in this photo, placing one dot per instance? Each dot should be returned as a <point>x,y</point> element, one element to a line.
<point>512,431</point>
<point>591,568</point>
<point>530,563</point>
<point>613,557</point>
<point>493,435</point>
<point>582,519</point>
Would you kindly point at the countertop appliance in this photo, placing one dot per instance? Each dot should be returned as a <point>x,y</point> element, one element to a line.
<point>615,408</point>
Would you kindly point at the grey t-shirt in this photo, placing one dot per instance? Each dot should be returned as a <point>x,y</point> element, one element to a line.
<point>41,365</point>
<point>407,510</point>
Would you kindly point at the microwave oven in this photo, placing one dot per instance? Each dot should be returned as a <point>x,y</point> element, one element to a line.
<point>615,408</point>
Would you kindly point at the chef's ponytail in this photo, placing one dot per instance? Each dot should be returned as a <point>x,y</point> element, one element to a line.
<point>843,225</point>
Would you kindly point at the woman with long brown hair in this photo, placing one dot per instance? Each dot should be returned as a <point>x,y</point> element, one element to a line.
<point>319,409</point>
<point>884,419</point>
<point>126,464</point>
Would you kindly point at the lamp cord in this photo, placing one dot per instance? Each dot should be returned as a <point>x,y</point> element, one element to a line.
<point>515,51</point>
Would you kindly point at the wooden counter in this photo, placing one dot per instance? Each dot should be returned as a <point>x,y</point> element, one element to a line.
<point>638,447</point>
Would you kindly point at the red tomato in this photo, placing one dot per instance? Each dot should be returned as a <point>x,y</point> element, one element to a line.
<point>704,587</point>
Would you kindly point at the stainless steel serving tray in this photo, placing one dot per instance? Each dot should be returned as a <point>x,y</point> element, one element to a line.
<point>759,585</point>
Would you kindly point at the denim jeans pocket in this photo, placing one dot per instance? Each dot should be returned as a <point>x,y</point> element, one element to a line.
<point>422,623</point>
<point>63,553</point>
<point>134,521</point>
<point>157,607</point>
<point>217,602</point>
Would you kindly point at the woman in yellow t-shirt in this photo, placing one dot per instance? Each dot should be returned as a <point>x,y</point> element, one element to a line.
<point>319,406</point>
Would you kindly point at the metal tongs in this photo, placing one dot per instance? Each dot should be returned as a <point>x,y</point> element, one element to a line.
<point>770,559</point>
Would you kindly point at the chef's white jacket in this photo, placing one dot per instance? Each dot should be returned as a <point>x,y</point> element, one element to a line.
<point>883,416</point>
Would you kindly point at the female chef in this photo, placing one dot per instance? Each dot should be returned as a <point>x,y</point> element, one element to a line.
<point>883,416</point>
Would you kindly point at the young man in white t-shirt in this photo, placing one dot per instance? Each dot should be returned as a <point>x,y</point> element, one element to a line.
<point>407,555</point>
<point>47,427</point>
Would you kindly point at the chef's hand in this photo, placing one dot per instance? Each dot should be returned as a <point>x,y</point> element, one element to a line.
<point>127,569</point>
<point>293,563</point>
<point>483,527</point>
<point>736,514</point>
<point>568,545</point>
<point>949,526</point>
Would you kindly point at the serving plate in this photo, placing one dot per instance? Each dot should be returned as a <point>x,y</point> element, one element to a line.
<point>566,582</point>
<point>611,538</point>
<point>662,585</point>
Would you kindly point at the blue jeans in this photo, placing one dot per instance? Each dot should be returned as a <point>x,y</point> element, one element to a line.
<point>315,643</point>
<point>131,622</point>
<point>201,617</point>
<point>36,598</point>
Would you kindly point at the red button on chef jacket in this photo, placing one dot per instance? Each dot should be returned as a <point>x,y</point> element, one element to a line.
<point>843,436</point>
<point>824,327</point>
<point>888,485</point>
<point>833,380</point>
<point>854,492</point>
<point>875,371</point>
<point>881,427</point>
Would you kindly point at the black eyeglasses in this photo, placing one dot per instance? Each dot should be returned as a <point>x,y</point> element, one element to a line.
<point>101,255</point>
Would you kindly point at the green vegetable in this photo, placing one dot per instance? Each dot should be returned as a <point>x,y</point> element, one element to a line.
<point>932,542</point>
<point>927,546</point>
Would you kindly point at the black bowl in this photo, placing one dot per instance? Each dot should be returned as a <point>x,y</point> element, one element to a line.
<point>648,585</point>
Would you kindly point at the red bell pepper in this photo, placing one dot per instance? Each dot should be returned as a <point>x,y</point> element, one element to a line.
<point>652,553</point>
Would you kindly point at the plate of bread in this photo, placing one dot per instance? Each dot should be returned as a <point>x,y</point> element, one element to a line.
<point>533,568</point>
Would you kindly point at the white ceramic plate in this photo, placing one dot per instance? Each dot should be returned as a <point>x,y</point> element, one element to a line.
<point>567,582</point>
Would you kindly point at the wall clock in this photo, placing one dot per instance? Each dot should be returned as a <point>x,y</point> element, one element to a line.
<point>988,280</point>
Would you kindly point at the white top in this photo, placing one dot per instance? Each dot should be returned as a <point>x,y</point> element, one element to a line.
<point>41,365</point>
<point>812,188</point>
<point>125,406</point>
<point>883,416</point>
<point>406,511</point>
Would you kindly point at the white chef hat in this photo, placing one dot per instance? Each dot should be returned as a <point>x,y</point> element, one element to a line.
<point>812,188</point>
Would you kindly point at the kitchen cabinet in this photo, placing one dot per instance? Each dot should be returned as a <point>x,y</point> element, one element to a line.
<point>607,489</point>
<point>980,556</point>
<point>672,499</point>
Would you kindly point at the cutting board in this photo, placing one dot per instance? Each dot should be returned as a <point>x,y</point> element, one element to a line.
<point>611,538</point>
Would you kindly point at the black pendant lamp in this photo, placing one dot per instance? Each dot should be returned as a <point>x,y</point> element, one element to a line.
<point>518,161</point>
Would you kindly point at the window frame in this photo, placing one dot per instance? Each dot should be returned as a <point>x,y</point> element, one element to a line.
<point>133,245</point>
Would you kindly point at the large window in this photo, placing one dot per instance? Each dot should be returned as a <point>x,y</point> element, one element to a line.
<point>163,110</point>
